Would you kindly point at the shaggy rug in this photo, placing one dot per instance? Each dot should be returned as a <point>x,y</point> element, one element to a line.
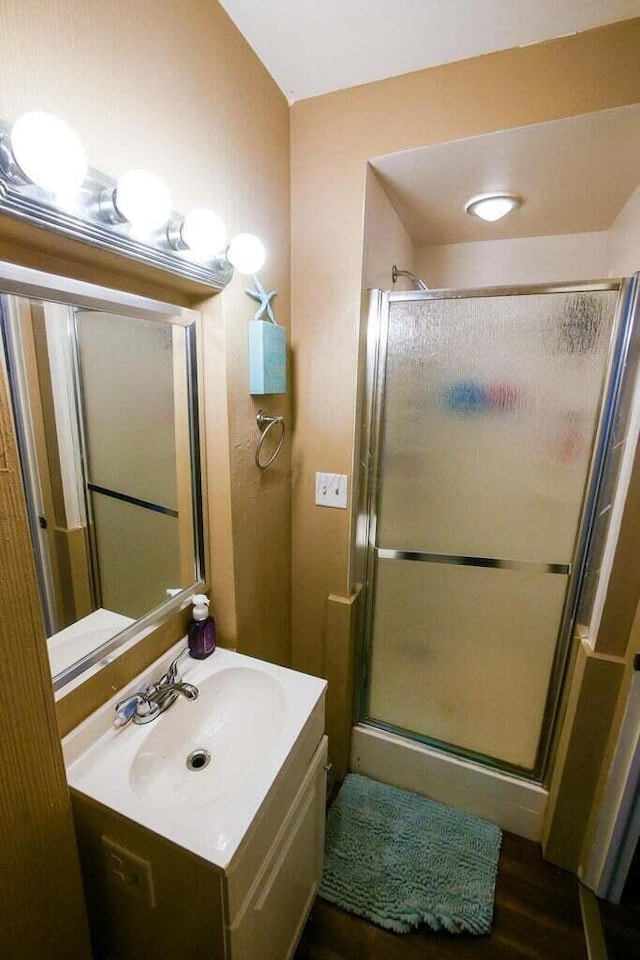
<point>400,860</point>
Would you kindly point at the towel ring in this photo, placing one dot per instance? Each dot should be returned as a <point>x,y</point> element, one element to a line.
<point>265,423</point>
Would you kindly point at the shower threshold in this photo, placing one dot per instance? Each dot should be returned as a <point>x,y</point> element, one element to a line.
<point>515,804</point>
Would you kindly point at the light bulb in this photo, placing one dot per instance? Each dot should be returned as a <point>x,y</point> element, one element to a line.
<point>48,152</point>
<point>204,233</point>
<point>246,253</point>
<point>142,199</point>
<point>493,206</point>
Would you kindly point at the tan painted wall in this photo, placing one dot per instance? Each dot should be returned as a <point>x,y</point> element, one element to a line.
<point>601,676</point>
<point>591,841</point>
<point>174,88</point>
<point>577,256</point>
<point>332,139</point>
<point>386,241</point>
<point>40,916</point>
<point>623,247</point>
<point>179,91</point>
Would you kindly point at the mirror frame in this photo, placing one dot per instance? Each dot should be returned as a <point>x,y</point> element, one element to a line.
<point>25,282</point>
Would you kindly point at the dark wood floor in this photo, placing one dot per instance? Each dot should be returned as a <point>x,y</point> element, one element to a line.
<point>537,917</point>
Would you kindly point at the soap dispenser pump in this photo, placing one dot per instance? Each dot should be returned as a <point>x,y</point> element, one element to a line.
<point>202,629</point>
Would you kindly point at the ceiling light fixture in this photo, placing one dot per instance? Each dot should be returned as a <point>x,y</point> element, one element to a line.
<point>493,206</point>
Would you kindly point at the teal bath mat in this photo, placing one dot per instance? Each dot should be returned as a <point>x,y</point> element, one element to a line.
<point>401,860</point>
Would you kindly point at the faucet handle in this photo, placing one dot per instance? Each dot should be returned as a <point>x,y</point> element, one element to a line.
<point>171,676</point>
<point>135,704</point>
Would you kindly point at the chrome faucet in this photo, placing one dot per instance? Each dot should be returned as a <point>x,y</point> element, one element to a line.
<point>145,705</point>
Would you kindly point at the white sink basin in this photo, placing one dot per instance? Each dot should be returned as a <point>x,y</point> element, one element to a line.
<point>248,716</point>
<point>233,724</point>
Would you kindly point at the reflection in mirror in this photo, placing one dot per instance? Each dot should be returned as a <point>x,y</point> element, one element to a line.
<point>105,413</point>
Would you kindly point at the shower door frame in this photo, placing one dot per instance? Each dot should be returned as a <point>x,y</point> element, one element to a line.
<point>371,428</point>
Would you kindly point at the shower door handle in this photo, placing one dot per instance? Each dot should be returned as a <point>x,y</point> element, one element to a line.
<point>493,563</point>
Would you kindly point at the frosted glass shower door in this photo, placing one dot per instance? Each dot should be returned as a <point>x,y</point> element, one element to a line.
<point>127,377</point>
<point>487,420</point>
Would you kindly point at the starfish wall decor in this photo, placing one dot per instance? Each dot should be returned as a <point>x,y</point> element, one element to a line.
<point>261,296</point>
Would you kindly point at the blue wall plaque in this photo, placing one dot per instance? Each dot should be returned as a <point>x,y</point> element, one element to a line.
<point>267,358</point>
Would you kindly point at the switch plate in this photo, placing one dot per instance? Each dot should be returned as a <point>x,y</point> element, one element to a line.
<point>128,871</point>
<point>332,490</point>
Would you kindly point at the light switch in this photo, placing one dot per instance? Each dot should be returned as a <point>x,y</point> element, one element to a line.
<point>331,490</point>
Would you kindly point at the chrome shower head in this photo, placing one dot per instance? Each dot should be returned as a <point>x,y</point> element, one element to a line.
<point>416,281</point>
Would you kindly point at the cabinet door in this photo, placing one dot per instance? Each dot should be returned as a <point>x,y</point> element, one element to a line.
<point>272,921</point>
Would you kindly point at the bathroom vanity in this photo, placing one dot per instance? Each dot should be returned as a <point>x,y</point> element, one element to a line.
<point>201,833</point>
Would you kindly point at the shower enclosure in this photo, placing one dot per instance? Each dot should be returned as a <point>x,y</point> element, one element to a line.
<point>488,416</point>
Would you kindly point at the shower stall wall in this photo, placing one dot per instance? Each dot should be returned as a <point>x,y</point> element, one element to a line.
<point>488,416</point>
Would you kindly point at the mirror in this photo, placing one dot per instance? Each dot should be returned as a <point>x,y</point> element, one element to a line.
<point>105,406</point>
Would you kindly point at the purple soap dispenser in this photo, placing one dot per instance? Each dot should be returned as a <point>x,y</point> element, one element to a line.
<point>202,629</point>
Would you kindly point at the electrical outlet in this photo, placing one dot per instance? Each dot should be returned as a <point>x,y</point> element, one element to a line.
<point>129,872</point>
<point>331,490</point>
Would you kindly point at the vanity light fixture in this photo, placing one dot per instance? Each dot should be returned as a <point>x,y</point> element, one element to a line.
<point>45,182</point>
<point>48,153</point>
<point>142,199</point>
<point>202,231</point>
<point>246,253</point>
<point>493,206</point>
<point>205,235</point>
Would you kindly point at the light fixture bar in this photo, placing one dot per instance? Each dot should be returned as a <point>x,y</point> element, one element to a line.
<point>87,223</point>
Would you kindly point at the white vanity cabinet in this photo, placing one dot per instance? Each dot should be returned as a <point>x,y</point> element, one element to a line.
<point>231,877</point>
<point>267,923</point>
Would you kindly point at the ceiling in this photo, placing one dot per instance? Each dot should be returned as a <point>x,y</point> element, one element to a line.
<point>574,175</point>
<point>311,47</point>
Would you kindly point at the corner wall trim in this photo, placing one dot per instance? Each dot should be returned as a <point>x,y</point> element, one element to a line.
<point>592,924</point>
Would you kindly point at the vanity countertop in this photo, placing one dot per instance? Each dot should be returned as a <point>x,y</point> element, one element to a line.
<point>248,718</point>
<point>71,644</point>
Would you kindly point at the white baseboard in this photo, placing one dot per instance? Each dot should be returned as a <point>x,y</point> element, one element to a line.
<point>515,805</point>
